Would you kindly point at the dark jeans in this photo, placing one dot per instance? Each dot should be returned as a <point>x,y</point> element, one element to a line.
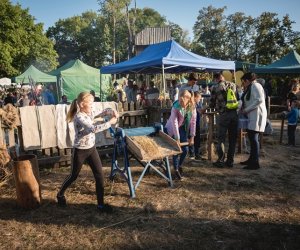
<point>291,134</point>
<point>92,158</point>
<point>227,122</point>
<point>195,149</point>
<point>254,145</point>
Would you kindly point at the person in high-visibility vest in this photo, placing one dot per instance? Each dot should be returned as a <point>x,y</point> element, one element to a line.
<point>225,101</point>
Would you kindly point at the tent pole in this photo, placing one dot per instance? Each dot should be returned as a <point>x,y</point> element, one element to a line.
<point>164,80</point>
<point>100,87</point>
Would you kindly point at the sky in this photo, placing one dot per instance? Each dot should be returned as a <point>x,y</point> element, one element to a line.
<point>181,12</point>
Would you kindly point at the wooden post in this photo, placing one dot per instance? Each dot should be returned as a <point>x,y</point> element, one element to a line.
<point>281,129</point>
<point>26,175</point>
<point>210,134</point>
<point>240,140</point>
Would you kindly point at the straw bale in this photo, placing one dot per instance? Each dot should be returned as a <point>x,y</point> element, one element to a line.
<point>154,147</point>
<point>10,116</point>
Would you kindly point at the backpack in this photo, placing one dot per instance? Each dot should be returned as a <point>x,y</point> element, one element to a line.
<point>231,100</point>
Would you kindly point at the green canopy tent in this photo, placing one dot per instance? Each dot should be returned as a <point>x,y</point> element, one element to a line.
<point>75,77</point>
<point>33,74</point>
<point>289,64</point>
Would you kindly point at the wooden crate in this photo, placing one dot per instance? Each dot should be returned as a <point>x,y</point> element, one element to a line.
<point>167,146</point>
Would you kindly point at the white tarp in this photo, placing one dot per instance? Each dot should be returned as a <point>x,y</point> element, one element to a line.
<point>5,81</point>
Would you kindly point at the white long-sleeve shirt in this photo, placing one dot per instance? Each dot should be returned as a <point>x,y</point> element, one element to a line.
<point>85,130</point>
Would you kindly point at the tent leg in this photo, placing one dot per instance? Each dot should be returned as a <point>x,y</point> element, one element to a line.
<point>164,80</point>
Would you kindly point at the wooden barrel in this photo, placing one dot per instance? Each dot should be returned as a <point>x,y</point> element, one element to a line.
<point>26,175</point>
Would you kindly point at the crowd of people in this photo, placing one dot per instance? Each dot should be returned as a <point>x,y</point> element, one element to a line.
<point>229,101</point>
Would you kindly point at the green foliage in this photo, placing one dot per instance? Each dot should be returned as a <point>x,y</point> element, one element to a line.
<point>273,39</point>
<point>81,37</point>
<point>22,42</point>
<point>240,37</point>
<point>210,32</point>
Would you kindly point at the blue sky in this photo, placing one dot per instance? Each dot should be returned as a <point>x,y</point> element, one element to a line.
<point>182,12</point>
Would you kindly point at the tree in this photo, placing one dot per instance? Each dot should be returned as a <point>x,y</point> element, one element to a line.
<point>114,11</point>
<point>239,35</point>
<point>22,42</point>
<point>210,33</point>
<point>82,37</point>
<point>179,35</point>
<point>273,38</point>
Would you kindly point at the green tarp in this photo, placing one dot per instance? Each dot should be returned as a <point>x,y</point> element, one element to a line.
<point>36,75</point>
<point>289,64</point>
<point>76,76</point>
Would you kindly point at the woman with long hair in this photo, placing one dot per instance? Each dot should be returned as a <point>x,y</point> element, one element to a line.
<point>254,107</point>
<point>181,125</point>
<point>82,114</point>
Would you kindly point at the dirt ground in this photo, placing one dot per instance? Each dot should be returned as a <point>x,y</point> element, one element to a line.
<point>210,209</point>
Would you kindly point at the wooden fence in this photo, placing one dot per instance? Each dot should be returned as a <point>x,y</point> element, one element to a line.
<point>131,115</point>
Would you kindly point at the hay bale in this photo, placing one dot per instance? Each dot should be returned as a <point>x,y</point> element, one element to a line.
<point>10,116</point>
<point>5,172</point>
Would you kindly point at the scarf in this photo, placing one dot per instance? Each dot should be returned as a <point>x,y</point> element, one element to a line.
<point>186,113</point>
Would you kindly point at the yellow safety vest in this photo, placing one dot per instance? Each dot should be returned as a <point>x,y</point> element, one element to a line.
<point>231,101</point>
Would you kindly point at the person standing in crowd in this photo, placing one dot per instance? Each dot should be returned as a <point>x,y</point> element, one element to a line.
<point>227,120</point>
<point>96,98</point>
<point>191,84</point>
<point>48,95</point>
<point>35,95</point>
<point>181,125</point>
<point>254,108</point>
<point>292,95</point>
<point>64,100</point>
<point>292,117</point>
<point>9,99</point>
<point>152,93</point>
<point>131,91</point>
<point>174,90</point>
<point>82,114</point>
<point>197,139</point>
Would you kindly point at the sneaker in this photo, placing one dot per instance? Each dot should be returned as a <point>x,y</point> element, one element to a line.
<point>178,175</point>
<point>105,208</point>
<point>192,157</point>
<point>199,158</point>
<point>245,162</point>
<point>252,166</point>
<point>219,164</point>
<point>228,164</point>
<point>61,201</point>
<point>180,171</point>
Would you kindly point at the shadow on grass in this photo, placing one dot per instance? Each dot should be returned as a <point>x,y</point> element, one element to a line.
<point>163,229</point>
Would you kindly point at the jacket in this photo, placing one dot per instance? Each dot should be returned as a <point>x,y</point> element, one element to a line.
<point>177,119</point>
<point>255,108</point>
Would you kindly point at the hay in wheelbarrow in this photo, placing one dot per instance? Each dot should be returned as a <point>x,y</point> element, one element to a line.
<point>147,148</point>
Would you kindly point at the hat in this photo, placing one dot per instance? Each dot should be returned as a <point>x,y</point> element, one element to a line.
<point>192,76</point>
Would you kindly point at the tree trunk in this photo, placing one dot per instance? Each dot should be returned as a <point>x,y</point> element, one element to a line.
<point>26,175</point>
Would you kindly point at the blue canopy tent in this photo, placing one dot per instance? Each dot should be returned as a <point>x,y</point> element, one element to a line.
<point>289,64</point>
<point>167,57</point>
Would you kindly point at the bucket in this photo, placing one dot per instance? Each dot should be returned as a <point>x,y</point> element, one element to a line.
<point>27,179</point>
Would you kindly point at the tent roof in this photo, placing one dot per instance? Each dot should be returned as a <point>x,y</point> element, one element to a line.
<point>290,63</point>
<point>172,56</point>
<point>75,68</point>
<point>36,75</point>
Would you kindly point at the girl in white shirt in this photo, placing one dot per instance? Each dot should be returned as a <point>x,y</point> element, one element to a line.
<point>82,115</point>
